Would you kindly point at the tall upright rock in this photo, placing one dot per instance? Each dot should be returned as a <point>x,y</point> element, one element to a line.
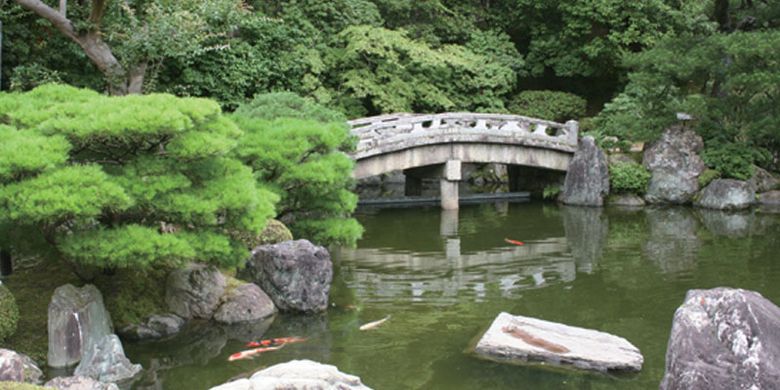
<point>78,320</point>
<point>587,180</point>
<point>674,165</point>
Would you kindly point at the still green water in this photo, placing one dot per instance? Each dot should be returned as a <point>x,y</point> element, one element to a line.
<point>444,276</point>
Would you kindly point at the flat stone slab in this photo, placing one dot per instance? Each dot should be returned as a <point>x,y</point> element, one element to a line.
<point>518,339</point>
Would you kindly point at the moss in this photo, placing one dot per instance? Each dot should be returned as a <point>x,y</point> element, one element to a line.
<point>20,386</point>
<point>132,295</point>
<point>274,233</point>
<point>33,287</point>
<point>707,177</point>
<point>9,313</point>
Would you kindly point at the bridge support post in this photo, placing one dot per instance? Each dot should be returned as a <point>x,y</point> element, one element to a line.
<point>449,185</point>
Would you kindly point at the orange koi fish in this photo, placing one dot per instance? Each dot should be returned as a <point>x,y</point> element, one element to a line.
<point>518,243</point>
<point>250,353</point>
<point>275,342</point>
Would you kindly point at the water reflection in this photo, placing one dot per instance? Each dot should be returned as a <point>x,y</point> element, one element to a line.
<point>725,223</point>
<point>586,232</point>
<point>672,243</point>
<point>392,273</point>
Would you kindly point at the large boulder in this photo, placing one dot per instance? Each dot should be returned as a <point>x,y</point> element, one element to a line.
<point>297,374</point>
<point>106,362</point>
<point>77,321</point>
<point>155,327</point>
<point>587,180</point>
<point>674,165</point>
<point>194,291</point>
<point>771,198</point>
<point>626,200</point>
<point>246,302</point>
<point>79,383</point>
<point>518,339</point>
<point>724,338</point>
<point>17,367</point>
<point>763,181</point>
<point>295,274</point>
<point>726,194</point>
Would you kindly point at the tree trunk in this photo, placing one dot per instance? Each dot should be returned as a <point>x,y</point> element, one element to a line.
<point>6,262</point>
<point>120,81</point>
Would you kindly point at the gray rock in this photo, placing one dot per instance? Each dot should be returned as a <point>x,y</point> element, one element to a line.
<point>194,291</point>
<point>726,194</point>
<point>518,339</point>
<point>771,198</point>
<point>155,327</point>
<point>724,338</point>
<point>295,274</point>
<point>297,374</point>
<point>626,200</point>
<point>246,302</point>
<point>674,165</point>
<point>79,383</point>
<point>587,180</point>
<point>17,367</point>
<point>106,362</point>
<point>77,320</point>
<point>763,181</point>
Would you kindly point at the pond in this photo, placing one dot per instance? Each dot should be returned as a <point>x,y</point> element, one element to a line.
<point>444,276</point>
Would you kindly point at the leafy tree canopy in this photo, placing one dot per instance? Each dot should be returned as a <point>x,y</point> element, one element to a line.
<point>126,182</point>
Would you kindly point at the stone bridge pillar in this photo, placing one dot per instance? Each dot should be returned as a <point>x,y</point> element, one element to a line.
<point>449,185</point>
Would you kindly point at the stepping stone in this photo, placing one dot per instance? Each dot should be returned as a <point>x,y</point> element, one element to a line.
<point>518,339</point>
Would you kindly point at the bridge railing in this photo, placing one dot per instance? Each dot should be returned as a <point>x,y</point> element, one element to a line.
<point>374,130</point>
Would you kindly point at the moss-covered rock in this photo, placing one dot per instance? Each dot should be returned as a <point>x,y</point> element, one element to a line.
<point>131,296</point>
<point>9,313</point>
<point>275,232</point>
<point>21,386</point>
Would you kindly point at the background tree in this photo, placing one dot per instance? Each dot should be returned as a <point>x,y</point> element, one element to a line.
<point>127,40</point>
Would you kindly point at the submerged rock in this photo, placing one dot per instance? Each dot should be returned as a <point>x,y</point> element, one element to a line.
<point>726,194</point>
<point>77,321</point>
<point>194,291</point>
<point>155,327</point>
<point>297,374</point>
<point>106,362</point>
<point>724,338</point>
<point>518,339</point>
<point>246,302</point>
<point>771,198</point>
<point>674,165</point>
<point>587,180</point>
<point>17,367</point>
<point>295,274</point>
<point>79,383</point>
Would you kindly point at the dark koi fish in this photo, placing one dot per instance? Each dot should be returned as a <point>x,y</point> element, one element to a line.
<point>518,243</point>
<point>275,342</point>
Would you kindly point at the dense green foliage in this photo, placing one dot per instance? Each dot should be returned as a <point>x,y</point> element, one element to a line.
<point>628,178</point>
<point>9,313</point>
<point>550,105</point>
<point>130,182</point>
<point>302,160</point>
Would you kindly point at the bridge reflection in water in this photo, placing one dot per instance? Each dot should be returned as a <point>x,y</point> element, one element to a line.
<point>444,268</point>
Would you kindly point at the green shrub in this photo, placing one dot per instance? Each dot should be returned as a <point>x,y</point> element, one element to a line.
<point>551,191</point>
<point>707,177</point>
<point>733,160</point>
<point>274,105</point>
<point>275,232</point>
<point>302,159</point>
<point>126,182</point>
<point>551,105</point>
<point>9,313</point>
<point>27,77</point>
<point>628,177</point>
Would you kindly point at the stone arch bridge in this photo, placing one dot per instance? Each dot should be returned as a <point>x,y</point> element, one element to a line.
<point>437,144</point>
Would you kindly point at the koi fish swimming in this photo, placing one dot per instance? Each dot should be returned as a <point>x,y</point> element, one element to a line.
<point>515,242</point>
<point>251,353</point>
<point>275,342</point>
<point>374,324</point>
